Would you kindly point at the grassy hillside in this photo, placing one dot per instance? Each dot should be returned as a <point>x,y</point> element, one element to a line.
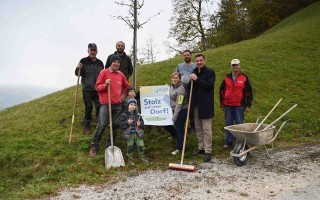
<point>36,158</point>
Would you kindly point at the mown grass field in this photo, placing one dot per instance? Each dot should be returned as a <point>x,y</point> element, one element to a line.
<point>36,159</point>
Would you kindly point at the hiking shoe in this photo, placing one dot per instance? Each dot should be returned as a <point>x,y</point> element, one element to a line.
<point>87,130</point>
<point>198,152</point>
<point>130,162</point>
<point>175,152</point>
<point>144,160</point>
<point>207,157</point>
<point>93,152</point>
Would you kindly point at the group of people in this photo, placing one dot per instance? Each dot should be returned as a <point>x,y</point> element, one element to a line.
<point>194,80</point>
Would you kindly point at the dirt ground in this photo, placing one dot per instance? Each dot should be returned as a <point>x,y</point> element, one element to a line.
<point>291,173</point>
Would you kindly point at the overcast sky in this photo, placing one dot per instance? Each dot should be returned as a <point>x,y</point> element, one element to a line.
<point>42,41</point>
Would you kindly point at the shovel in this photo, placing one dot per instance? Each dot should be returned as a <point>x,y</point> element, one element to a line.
<point>113,155</point>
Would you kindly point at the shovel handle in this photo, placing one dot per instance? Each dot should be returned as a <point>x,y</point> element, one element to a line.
<point>267,115</point>
<point>270,125</point>
<point>110,116</point>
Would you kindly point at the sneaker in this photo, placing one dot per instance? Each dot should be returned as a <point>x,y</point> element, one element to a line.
<point>93,152</point>
<point>87,130</point>
<point>207,157</point>
<point>144,160</point>
<point>198,152</point>
<point>226,146</point>
<point>130,162</point>
<point>175,152</point>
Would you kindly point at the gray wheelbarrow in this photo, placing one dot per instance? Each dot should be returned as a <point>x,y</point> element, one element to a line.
<point>255,135</point>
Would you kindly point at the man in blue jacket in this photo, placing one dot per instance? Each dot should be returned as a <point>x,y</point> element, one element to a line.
<point>202,103</point>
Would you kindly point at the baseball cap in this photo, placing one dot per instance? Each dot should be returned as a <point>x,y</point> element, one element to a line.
<point>92,46</point>
<point>235,61</point>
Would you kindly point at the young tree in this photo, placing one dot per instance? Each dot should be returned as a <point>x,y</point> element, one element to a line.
<point>132,21</point>
<point>149,51</point>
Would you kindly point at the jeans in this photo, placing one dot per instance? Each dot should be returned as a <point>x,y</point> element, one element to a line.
<point>103,122</point>
<point>90,97</point>
<point>171,130</point>
<point>179,124</point>
<point>233,114</point>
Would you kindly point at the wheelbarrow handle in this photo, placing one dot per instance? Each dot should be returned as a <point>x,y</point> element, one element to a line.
<point>270,125</point>
<point>276,135</point>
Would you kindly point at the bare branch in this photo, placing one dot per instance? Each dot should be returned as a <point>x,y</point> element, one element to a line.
<point>150,18</point>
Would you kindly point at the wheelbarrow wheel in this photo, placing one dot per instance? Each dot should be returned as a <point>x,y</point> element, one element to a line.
<point>241,160</point>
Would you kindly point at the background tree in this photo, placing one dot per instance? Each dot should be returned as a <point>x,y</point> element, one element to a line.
<point>188,25</point>
<point>264,14</point>
<point>230,24</point>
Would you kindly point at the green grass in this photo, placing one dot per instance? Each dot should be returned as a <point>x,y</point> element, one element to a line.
<point>37,160</point>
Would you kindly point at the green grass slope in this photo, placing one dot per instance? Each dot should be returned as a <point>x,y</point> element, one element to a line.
<point>36,158</point>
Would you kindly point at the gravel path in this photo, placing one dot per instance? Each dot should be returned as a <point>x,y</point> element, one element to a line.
<point>292,173</point>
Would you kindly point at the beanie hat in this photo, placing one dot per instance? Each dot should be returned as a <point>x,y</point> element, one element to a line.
<point>114,57</point>
<point>130,88</point>
<point>133,100</point>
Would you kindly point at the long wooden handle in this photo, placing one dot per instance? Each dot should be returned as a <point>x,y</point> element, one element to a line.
<point>186,126</point>
<point>267,115</point>
<point>74,106</point>
<point>110,116</point>
<point>270,125</point>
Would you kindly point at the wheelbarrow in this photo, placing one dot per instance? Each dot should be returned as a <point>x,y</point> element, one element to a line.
<point>255,135</point>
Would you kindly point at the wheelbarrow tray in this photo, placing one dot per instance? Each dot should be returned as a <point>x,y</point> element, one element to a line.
<point>244,132</point>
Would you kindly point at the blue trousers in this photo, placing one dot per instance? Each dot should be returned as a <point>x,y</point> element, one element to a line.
<point>233,115</point>
<point>180,125</point>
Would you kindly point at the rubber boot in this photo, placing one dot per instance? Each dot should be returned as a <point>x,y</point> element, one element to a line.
<point>130,159</point>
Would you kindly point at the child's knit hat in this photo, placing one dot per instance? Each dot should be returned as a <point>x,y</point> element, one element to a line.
<point>133,100</point>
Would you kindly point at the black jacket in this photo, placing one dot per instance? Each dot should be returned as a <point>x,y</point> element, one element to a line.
<point>89,72</point>
<point>203,91</point>
<point>125,64</point>
<point>126,127</point>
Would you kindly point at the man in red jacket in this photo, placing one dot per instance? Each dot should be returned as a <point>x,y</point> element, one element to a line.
<point>118,83</point>
<point>235,98</point>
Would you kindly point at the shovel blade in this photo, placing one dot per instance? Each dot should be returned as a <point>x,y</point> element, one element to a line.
<point>113,157</point>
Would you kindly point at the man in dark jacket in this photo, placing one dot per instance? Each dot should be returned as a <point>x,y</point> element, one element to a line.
<point>235,98</point>
<point>202,102</point>
<point>125,63</point>
<point>90,68</point>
